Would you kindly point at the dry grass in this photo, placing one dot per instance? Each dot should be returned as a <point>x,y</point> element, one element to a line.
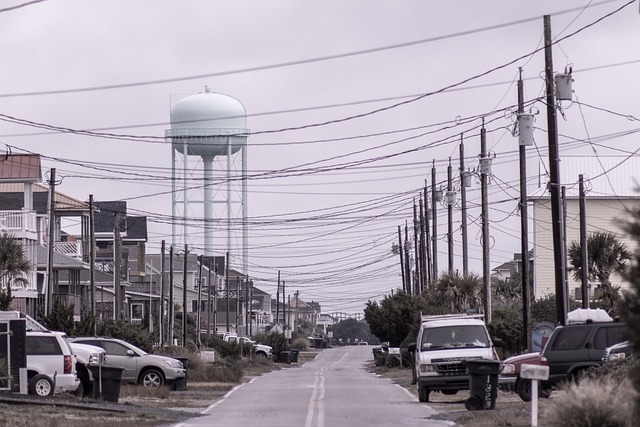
<point>593,403</point>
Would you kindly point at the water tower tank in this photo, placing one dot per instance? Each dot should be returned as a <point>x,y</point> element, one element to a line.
<point>206,123</point>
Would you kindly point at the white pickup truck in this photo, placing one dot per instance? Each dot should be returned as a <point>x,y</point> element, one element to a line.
<point>444,342</point>
<point>260,349</point>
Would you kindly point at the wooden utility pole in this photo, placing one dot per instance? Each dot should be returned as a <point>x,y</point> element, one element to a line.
<point>427,237</point>
<point>209,287</point>
<point>583,245</point>
<point>284,306</point>
<point>215,299</point>
<point>117,267</point>
<point>524,228</point>
<point>423,249</point>
<point>48,302</point>
<point>226,290</point>
<point>554,176</point>
<point>417,276</point>
<point>92,260</point>
<point>184,296</point>
<point>463,201</point>
<point>199,312</point>
<point>278,300</point>
<point>450,217</point>
<point>171,305</point>
<point>407,264</point>
<point>434,219</point>
<point>484,178</point>
<point>161,323</point>
<point>401,253</point>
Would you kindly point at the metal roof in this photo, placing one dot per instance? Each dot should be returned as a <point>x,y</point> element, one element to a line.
<point>20,168</point>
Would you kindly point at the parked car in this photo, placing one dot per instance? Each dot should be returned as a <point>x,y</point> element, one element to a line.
<point>618,351</point>
<point>51,364</point>
<point>140,367</point>
<point>261,350</point>
<point>570,350</point>
<point>510,379</point>
<point>86,356</point>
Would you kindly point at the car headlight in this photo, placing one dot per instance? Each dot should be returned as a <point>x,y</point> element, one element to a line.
<point>424,368</point>
<point>173,363</point>
<point>617,356</point>
<point>507,369</point>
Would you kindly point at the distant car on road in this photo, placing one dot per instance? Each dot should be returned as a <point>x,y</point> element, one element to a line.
<point>140,367</point>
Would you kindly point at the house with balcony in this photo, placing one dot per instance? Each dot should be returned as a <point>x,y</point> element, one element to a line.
<point>24,215</point>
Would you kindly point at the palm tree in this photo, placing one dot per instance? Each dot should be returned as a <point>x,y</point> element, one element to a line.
<point>13,264</point>
<point>459,292</point>
<point>605,255</point>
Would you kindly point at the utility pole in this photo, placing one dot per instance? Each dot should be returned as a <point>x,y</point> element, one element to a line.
<point>278,300</point>
<point>238,317</point>
<point>554,176</point>
<point>450,202</point>
<point>199,312</point>
<point>417,279</point>
<point>92,260</point>
<point>170,305</point>
<point>209,259</point>
<point>463,201</point>
<point>400,252</point>
<point>215,298</point>
<point>48,303</point>
<point>565,277</point>
<point>524,224</point>
<point>226,289</point>
<point>427,238</point>
<point>583,245</point>
<point>485,170</point>
<point>184,296</point>
<point>407,263</point>
<point>162,291</point>
<point>284,306</point>
<point>423,249</point>
<point>117,260</point>
<point>251,306</point>
<point>434,218</point>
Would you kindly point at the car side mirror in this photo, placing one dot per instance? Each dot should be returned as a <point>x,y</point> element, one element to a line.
<point>130,353</point>
<point>412,347</point>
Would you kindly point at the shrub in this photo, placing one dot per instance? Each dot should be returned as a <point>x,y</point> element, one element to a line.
<point>300,343</point>
<point>392,361</point>
<point>593,403</point>
<point>125,331</point>
<point>616,370</point>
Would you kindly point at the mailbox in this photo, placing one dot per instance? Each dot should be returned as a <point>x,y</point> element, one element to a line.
<point>534,372</point>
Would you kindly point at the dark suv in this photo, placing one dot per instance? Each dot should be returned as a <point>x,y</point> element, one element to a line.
<point>573,348</point>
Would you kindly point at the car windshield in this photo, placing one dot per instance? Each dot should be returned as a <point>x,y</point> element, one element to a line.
<point>454,337</point>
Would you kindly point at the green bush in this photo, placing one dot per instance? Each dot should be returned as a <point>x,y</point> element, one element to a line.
<point>617,370</point>
<point>602,402</point>
<point>392,361</point>
<point>125,331</point>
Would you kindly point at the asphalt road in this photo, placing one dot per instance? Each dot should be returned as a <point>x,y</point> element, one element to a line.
<point>333,390</point>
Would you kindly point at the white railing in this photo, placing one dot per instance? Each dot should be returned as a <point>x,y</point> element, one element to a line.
<point>22,221</point>
<point>72,249</point>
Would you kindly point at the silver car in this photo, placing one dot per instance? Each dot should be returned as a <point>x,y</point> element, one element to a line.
<point>139,366</point>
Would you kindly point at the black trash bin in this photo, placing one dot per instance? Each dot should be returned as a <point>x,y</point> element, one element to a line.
<point>379,357</point>
<point>284,357</point>
<point>294,356</point>
<point>111,378</point>
<point>181,384</point>
<point>483,383</point>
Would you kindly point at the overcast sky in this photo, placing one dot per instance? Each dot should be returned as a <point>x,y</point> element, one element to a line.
<point>362,97</point>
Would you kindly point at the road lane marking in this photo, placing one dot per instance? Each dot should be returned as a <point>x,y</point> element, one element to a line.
<point>312,400</point>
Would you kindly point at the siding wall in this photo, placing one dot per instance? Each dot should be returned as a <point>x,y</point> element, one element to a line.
<point>602,215</point>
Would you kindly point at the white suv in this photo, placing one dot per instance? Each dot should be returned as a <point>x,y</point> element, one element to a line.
<point>51,364</point>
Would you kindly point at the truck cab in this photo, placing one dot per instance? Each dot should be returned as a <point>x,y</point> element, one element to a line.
<point>443,344</point>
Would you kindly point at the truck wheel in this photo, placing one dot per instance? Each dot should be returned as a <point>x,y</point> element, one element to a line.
<point>423,394</point>
<point>41,385</point>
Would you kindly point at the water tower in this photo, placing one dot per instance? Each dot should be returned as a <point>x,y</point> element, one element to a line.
<point>209,190</point>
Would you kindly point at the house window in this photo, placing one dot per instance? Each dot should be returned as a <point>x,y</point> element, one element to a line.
<point>137,311</point>
<point>196,282</point>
